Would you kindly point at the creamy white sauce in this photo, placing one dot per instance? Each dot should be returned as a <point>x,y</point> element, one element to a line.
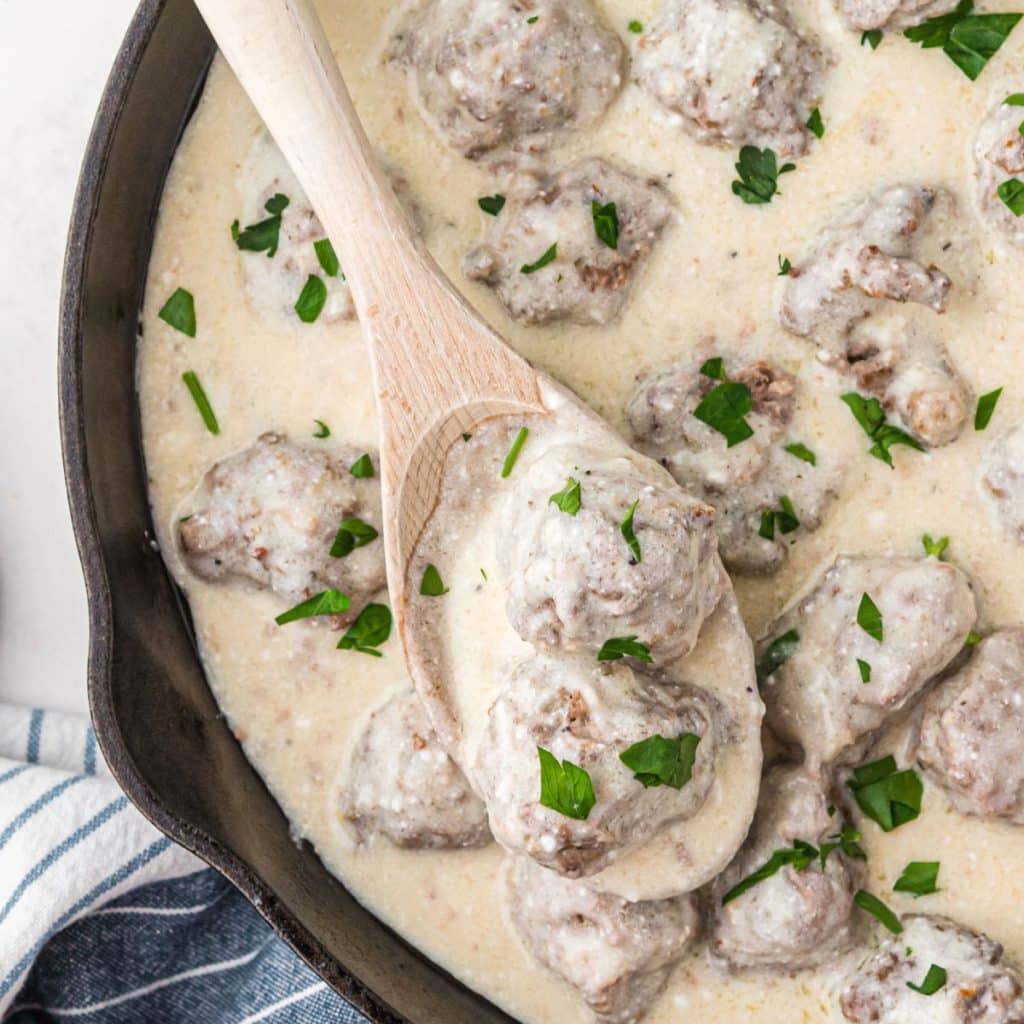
<point>898,114</point>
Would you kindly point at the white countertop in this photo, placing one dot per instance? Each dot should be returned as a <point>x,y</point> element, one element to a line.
<point>47,101</point>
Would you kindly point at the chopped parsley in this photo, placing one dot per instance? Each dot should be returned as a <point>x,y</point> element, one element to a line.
<point>180,312</point>
<point>327,258</point>
<point>548,257</point>
<point>532,20</point>
<point>758,171</point>
<point>622,646</point>
<point>626,529</point>
<point>370,629</point>
<point>969,40</point>
<point>195,389</point>
<point>868,413</point>
<point>513,453</point>
<point>890,798</point>
<point>800,856</point>
<point>492,205</point>
<point>264,236</point>
<point>864,668</point>
<point>362,468</point>
<point>784,517</point>
<point>815,125</point>
<point>635,27</point>
<point>352,534</point>
<point>877,909</point>
<point>780,650</point>
<point>785,266</point>
<point>869,618</point>
<point>657,761</point>
<point>725,407</point>
<point>1012,194</point>
<point>322,430</point>
<point>432,585</point>
<point>872,38</point>
<point>568,499</point>
<point>327,602</point>
<point>986,407</point>
<point>934,980</point>
<point>847,840</point>
<point>934,548</point>
<point>565,787</point>
<point>919,878</point>
<point>801,451</point>
<point>1015,99</point>
<point>311,300</point>
<point>973,639</point>
<point>606,223</point>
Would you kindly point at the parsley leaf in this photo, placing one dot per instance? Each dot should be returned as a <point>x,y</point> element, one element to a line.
<point>657,761</point>
<point>847,840</point>
<point>195,389</point>
<point>874,906</point>
<point>1012,194</point>
<point>725,407</point>
<point>780,650</point>
<point>890,798</point>
<point>919,878</point>
<point>785,266</point>
<point>869,618</point>
<point>626,529</point>
<point>872,37</point>
<point>815,125</point>
<point>1015,99</point>
<point>623,646</point>
<point>986,406</point>
<point>934,980</point>
<point>868,413</point>
<point>327,258</point>
<point>513,453</point>
<point>968,40</point>
<point>864,668</point>
<point>327,602</point>
<point>784,517</point>
<point>800,857</point>
<point>432,585</point>
<point>352,534</point>
<point>491,204</point>
<point>322,430</point>
<point>565,787</point>
<point>265,235</point>
<point>606,223</point>
<point>548,257</point>
<point>973,639</point>
<point>635,27</point>
<point>371,628</point>
<point>758,172</point>
<point>362,468</point>
<point>801,451</point>
<point>312,300</point>
<point>179,311</point>
<point>934,548</point>
<point>568,499</point>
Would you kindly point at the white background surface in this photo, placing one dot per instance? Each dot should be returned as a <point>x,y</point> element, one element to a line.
<point>54,59</point>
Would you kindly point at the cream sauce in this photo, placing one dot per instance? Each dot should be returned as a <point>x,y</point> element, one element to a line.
<point>898,114</point>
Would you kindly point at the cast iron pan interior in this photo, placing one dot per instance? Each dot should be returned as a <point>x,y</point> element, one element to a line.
<point>156,721</point>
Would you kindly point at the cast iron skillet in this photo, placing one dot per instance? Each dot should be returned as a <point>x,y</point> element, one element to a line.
<point>155,719</point>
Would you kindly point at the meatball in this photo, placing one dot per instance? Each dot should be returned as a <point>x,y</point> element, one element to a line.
<point>866,254</point>
<point>912,376</point>
<point>1002,479</point>
<point>617,954</point>
<point>980,988</point>
<point>795,918</point>
<point>998,157</point>
<point>973,731</point>
<point>587,712</point>
<point>490,74</point>
<point>270,514</point>
<point>818,698</point>
<point>543,253</point>
<point>744,482</point>
<point>573,581</point>
<point>864,15</point>
<point>735,71</point>
<point>403,786</point>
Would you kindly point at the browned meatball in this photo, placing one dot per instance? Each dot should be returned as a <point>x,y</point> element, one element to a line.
<point>493,74</point>
<point>972,734</point>
<point>796,918</point>
<point>617,954</point>
<point>863,15</point>
<point>269,515</point>
<point>552,221</point>
<point>980,987</point>
<point>402,785</point>
<point>998,157</point>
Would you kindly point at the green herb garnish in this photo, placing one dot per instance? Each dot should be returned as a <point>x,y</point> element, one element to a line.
<point>872,38</point>
<point>934,980</point>
<point>864,668</point>
<point>626,529</point>
<point>432,585</point>
<point>785,266</point>
<point>874,906</point>
<point>362,468</point>
<point>322,430</point>
<point>491,204</point>
<point>801,451</point>
<point>758,172</point>
<point>815,125</point>
<point>890,798</point>
<point>568,499</point>
<point>986,407</point>
<point>657,761</point>
<point>264,236</point>
<point>869,618</point>
<point>919,878</point>
<point>370,629</point>
<point>195,389</point>
<point>784,517</point>
<point>327,258</point>
<point>327,602</point>
<point>606,223</point>
<point>312,299</point>
<point>973,639</point>
<point>725,407</point>
<point>968,40</point>
<point>548,257</point>
<point>934,548</point>
<point>352,534</point>
<point>635,27</point>
<point>565,787</point>
<point>180,312</point>
<point>869,414</point>
<point>800,857</point>
<point>513,453</point>
<point>780,650</point>
<point>624,646</point>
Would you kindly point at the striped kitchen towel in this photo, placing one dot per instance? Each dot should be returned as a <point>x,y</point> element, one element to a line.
<point>105,920</point>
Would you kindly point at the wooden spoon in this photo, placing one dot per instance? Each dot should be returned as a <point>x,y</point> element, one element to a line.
<point>438,368</point>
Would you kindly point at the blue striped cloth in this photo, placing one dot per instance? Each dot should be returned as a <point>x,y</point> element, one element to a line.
<point>105,920</point>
